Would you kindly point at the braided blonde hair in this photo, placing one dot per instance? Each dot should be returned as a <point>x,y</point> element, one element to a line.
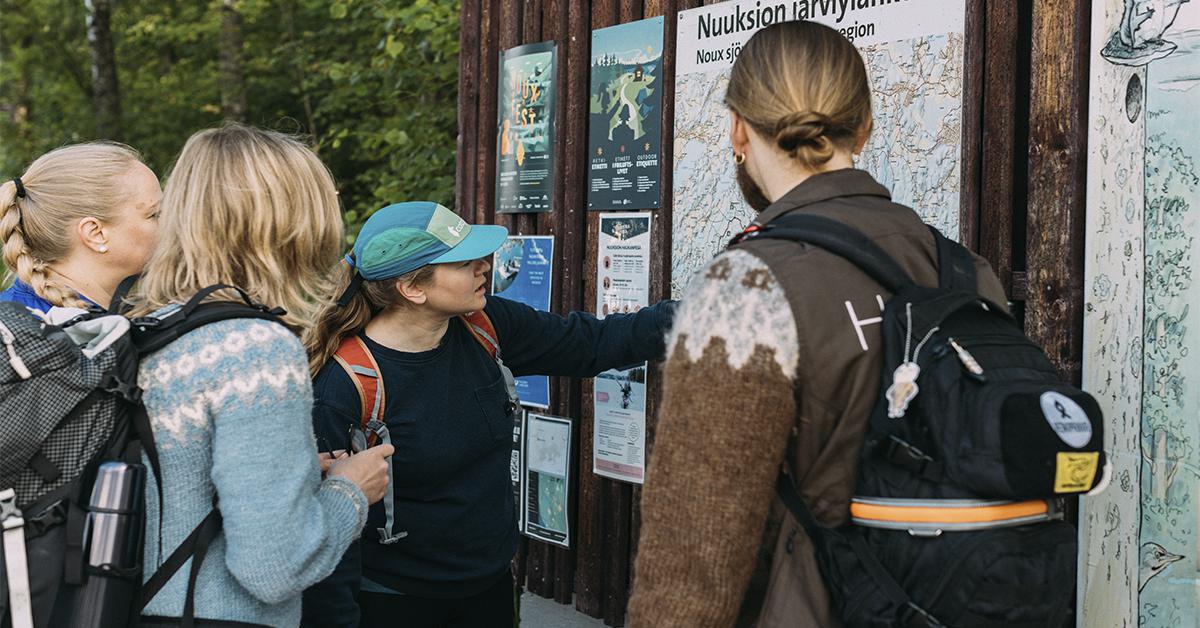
<point>61,187</point>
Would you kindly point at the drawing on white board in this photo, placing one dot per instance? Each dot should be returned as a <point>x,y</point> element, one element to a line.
<point>1138,39</point>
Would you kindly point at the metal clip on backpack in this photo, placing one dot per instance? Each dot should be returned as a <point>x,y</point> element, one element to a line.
<point>76,428</point>
<point>970,447</point>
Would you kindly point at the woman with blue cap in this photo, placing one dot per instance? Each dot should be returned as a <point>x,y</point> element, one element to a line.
<point>415,353</point>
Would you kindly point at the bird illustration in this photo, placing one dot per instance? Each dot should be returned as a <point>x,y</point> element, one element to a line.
<point>1154,560</point>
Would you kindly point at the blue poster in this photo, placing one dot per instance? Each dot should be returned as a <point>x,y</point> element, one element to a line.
<point>522,272</point>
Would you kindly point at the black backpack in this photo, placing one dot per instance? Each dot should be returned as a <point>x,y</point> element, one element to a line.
<point>971,447</point>
<point>74,430</point>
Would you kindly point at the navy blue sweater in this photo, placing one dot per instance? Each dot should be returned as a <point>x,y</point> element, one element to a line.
<point>446,415</point>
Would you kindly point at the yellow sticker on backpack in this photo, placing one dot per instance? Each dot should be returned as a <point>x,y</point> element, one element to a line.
<point>1076,471</point>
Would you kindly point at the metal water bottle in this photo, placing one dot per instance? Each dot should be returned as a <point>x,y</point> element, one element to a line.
<point>113,547</point>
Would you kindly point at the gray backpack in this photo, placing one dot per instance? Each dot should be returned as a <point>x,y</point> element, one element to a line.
<point>72,434</point>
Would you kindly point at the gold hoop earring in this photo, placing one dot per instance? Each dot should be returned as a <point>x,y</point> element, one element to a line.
<point>739,158</point>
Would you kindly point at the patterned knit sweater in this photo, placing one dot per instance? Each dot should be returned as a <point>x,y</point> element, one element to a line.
<point>731,361</point>
<point>231,406</point>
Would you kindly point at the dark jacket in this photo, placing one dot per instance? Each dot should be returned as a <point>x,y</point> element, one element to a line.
<point>446,414</point>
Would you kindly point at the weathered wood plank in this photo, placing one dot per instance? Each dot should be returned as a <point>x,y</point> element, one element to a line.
<point>466,146</point>
<point>553,16</point>
<point>485,154</point>
<point>589,566</point>
<point>1057,171</point>
<point>999,140</point>
<point>972,123</point>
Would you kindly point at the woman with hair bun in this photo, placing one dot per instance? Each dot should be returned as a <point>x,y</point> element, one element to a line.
<point>79,220</point>
<point>775,357</point>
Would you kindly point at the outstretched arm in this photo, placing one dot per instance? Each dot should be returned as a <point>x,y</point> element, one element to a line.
<point>578,344</point>
<point>728,407</point>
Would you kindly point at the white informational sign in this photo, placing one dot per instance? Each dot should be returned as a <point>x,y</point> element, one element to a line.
<point>619,428</point>
<point>619,397</point>
<point>623,263</point>
<point>914,55</point>
<point>545,494</point>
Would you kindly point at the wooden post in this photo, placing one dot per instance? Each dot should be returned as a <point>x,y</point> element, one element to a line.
<point>999,86</point>
<point>969,178</point>
<point>485,153</point>
<point>1057,190</point>
<point>465,186</point>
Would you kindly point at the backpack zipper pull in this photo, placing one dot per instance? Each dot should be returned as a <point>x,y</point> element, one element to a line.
<point>968,361</point>
<point>15,360</point>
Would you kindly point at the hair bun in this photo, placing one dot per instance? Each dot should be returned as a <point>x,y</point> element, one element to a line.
<point>803,128</point>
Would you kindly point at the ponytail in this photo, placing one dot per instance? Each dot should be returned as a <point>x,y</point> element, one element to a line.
<point>334,323</point>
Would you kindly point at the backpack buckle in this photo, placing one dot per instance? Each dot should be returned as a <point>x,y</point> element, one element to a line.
<point>113,385</point>
<point>10,515</point>
<point>146,322</point>
<point>908,456</point>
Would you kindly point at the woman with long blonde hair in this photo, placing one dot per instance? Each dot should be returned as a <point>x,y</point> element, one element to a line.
<point>79,220</point>
<point>230,403</point>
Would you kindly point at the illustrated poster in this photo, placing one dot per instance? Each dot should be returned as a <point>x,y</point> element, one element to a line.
<point>1139,562</point>
<point>545,498</point>
<point>522,271</point>
<point>525,129</point>
<point>625,109</point>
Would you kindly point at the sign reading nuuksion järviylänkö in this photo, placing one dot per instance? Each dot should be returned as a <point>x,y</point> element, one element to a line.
<point>914,54</point>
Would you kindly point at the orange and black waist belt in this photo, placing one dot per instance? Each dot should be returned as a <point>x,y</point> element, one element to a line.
<point>934,516</point>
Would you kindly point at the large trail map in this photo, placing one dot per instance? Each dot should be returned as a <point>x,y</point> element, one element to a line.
<point>914,149</point>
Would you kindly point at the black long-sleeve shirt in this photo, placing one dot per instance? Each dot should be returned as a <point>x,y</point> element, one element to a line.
<point>446,414</point>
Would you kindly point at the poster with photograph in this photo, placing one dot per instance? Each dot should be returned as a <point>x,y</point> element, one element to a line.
<point>525,129</point>
<point>623,263</point>
<point>545,498</point>
<point>522,271</point>
<point>625,116</point>
<point>619,430</point>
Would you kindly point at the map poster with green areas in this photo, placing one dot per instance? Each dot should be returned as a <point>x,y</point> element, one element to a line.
<point>913,51</point>
<point>545,497</point>
<point>625,116</point>
<point>525,129</point>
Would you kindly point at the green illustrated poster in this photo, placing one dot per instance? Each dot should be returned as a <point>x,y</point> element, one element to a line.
<point>525,129</point>
<point>625,116</point>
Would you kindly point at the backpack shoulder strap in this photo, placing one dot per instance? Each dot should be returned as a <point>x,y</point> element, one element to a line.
<point>837,238</point>
<point>358,362</point>
<point>956,268</point>
<point>481,328</point>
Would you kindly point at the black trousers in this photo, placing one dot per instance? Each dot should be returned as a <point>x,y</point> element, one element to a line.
<point>492,608</point>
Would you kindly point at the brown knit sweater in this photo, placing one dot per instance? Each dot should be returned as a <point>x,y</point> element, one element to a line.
<point>728,377</point>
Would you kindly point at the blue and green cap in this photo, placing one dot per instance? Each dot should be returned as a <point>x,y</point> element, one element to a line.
<point>403,237</point>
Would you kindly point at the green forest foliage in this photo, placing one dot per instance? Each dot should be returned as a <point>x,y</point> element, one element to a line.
<point>371,84</point>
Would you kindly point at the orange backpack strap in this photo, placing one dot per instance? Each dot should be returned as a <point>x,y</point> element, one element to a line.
<point>484,332</point>
<point>360,365</point>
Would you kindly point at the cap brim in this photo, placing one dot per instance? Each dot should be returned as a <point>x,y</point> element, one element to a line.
<point>481,242</point>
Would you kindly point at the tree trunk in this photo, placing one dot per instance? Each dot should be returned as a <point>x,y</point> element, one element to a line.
<point>106,98</point>
<point>232,73</point>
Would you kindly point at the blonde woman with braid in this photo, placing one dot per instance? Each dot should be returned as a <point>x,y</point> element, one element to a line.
<point>79,220</point>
